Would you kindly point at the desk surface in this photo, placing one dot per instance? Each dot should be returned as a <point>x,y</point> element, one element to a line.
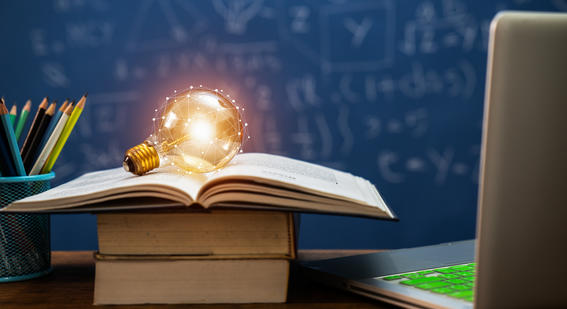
<point>72,282</point>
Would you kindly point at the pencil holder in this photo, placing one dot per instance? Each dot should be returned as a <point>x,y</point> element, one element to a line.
<point>25,251</point>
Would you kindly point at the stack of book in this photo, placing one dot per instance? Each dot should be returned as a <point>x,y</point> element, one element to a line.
<point>221,237</point>
<point>221,256</point>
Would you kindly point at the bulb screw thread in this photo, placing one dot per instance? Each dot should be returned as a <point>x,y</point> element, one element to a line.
<point>141,159</point>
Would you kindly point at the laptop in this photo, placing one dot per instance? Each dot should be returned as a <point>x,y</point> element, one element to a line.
<point>519,258</point>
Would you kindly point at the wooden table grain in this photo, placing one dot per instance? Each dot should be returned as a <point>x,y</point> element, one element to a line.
<point>71,285</point>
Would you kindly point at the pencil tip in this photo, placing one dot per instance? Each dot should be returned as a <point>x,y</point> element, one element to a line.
<point>69,109</point>
<point>81,103</point>
<point>86,94</point>
<point>51,109</point>
<point>44,102</point>
<point>64,105</point>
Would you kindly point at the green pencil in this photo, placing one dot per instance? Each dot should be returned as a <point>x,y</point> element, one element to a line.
<point>78,109</point>
<point>13,114</point>
<point>22,119</point>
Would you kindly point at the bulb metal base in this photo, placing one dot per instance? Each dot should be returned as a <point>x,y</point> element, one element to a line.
<point>141,159</point>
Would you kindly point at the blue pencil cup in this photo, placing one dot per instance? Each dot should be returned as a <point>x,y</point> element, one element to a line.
<point>25,251</point>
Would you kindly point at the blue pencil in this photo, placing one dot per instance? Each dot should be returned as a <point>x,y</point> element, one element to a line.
<point>11,140</point>
<point>52,124</point>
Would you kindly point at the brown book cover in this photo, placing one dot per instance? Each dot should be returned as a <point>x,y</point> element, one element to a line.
<point>198,234</point>
<point>176,281</point>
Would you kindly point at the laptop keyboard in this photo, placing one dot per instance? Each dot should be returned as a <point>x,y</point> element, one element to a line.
<point>455,281</point>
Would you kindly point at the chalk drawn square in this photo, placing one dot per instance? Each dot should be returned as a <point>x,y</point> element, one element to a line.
<point>357,37</point>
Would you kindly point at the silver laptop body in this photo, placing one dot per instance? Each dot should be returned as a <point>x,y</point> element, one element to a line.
<point>521,249</point>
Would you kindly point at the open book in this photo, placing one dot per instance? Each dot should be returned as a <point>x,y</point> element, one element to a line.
<point>249,181</point>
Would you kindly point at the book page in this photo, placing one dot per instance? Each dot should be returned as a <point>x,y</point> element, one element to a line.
<point>112,181</point>
<point>299,175</point>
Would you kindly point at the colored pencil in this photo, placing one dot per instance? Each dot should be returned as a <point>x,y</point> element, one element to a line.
<point>77,110</point>
<point>13,114</point>
<point>34,126</point>
<point>11,141</point>
<point>22,119</point>
<point>6,163</point>
<point>29,157</point>
<point>52,140</point>
<point>52,124</point>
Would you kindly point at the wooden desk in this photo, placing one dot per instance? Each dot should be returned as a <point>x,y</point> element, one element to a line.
<point>72,282</point>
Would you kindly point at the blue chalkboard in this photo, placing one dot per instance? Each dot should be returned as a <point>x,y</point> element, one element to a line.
<point>388,90</point>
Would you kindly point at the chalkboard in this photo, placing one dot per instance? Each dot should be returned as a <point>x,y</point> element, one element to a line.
<point>388,90</point>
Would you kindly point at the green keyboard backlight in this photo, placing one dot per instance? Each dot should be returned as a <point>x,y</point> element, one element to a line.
<point>455,281</point>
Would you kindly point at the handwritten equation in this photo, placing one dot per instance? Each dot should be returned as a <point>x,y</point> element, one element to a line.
<point>329,81</point>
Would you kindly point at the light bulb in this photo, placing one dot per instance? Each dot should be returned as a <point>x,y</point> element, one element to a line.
<point>200,130</point>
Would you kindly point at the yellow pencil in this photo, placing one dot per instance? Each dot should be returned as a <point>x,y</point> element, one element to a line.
<point>78,109</point>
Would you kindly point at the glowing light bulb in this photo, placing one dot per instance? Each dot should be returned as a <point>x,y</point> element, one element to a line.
<point>200,130</point>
